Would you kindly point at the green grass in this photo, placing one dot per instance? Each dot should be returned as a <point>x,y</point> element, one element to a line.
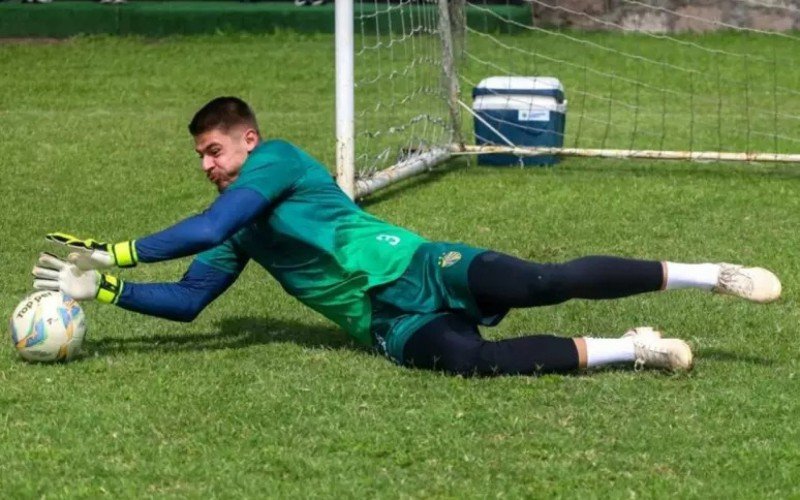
<point>262,397</point>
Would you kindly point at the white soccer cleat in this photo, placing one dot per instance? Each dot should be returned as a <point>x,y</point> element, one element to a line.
<point>664,354</point>
<point>752,283</point>
<point>654,352</point>
<point>644,332</point>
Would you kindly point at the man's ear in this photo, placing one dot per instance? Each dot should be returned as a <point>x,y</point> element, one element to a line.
<point>251,139</point>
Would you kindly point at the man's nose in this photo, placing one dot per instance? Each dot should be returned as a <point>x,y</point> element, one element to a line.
<point>207,162</point>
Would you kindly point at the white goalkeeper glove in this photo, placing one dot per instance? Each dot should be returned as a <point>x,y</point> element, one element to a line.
<point>52,273</point>
<point>91,254</point>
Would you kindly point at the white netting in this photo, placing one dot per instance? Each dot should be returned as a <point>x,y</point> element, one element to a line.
<point>669,79</point>
<point>400,102</point>
<point>734,89</point>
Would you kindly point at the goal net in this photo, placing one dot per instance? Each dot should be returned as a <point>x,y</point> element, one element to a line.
<point>401,79</point>
<point>641,79</point>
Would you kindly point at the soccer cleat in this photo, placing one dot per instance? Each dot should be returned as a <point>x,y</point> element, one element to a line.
<point>752,283</point>
<point>665,354</point>
<point>652,352</point>
<point>643,332</point>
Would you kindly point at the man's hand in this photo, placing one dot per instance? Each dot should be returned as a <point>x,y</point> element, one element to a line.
<point>91,254</point>
<point>52,273</point>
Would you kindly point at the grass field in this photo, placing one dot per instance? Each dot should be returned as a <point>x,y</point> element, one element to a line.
<point>260,397</point>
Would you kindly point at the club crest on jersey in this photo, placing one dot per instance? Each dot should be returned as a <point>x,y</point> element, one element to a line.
<point>448,259</point>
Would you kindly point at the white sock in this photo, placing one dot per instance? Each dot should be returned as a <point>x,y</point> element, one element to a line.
<point>691,276</point>
<point>606,351</point>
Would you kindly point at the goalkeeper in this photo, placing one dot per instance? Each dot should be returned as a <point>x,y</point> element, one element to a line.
<point>418,302</point>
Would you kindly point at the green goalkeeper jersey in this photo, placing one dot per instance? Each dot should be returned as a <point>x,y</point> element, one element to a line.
<point>319,245</point>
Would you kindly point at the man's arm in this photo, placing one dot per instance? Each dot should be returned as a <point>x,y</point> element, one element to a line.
<point>230,212</point>
<point>180,301</point>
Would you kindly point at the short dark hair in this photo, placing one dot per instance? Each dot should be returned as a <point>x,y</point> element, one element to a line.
<point>223,113</point>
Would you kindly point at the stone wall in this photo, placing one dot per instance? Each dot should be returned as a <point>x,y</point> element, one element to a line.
<point>666,16</point>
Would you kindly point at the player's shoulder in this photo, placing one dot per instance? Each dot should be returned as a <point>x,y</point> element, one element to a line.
<point>275,151</point>
<point>277,160</point>
<point>278,145</point>
<point>280,152</point>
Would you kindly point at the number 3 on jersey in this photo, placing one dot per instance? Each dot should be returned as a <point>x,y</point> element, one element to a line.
<point>388,238</point>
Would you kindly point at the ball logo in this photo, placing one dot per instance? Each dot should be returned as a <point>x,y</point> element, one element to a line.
<point>36,299</point>
<point>39,335</point>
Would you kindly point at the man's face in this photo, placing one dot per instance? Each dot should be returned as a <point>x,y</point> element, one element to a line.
<point>222,153</point>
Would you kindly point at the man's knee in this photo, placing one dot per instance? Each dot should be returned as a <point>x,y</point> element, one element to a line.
<point>462,359</point>
<point>445,351</point>
<point>547,283</point>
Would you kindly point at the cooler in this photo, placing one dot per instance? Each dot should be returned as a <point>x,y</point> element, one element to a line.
<point>526,110</point>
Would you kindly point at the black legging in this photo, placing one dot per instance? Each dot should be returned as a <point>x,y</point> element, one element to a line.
<point>498,282</point>
<point>502,281</point>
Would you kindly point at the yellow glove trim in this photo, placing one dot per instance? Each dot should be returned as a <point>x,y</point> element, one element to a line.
<point>124,253</point>
<point>74,241</point>
<point>110,289</point>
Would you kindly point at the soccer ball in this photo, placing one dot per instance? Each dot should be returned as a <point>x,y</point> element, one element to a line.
<point>48,326</point>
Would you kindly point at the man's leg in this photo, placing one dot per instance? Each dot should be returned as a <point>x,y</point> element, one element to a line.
<point>453,344</point>
<point>499,281</point>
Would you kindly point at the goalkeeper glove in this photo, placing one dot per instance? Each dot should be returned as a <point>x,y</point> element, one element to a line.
<point>52,273</point>
<point>91,254</point>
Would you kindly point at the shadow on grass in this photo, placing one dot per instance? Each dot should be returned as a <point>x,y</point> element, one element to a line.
<point>732,357</point>
<point>243,332</point>
<point>232,333</point>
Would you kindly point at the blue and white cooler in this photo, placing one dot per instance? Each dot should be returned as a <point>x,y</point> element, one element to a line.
<point>525,110</point>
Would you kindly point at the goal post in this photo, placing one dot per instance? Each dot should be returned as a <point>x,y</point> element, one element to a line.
<point>397,90</point>
<point>345,102</point>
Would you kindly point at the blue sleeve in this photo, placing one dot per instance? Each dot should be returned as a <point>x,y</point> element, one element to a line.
<point>181,301</point>
<point>231,211</point>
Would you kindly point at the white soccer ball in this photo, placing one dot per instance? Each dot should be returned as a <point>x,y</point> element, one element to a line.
<point>48,326</point>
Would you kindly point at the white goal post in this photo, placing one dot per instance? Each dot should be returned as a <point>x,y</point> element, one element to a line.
<point>653,79</point>
<point>409,91</point>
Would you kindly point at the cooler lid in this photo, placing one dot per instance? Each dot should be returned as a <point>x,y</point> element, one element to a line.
<point>517,102</point>
<point>521,85</point>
